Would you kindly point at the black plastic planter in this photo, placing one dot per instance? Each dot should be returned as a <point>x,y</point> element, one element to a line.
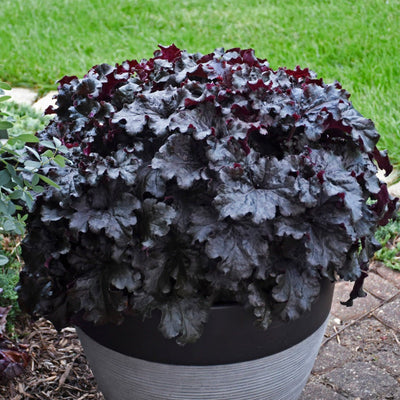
<point>233,359</point>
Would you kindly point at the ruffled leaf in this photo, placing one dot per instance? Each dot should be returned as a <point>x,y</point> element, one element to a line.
<point>296,290</point>
<point>237,250</point>
<point>179,159</point>
<point>183,319</point>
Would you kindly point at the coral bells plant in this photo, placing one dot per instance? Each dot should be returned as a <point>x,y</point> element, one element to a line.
<point>197,179</point>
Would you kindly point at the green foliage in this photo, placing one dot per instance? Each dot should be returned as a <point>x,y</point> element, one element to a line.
<point>13,358</point>
<point>25,119</point>
<point>9,275</point>
<point>389,237</point>
<point>19,165</point>
<point>19,184</point>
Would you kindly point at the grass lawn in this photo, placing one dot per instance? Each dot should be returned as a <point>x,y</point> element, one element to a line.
<point>354,42</point>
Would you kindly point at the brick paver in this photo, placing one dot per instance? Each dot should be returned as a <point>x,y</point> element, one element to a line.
<point>371,341</point>
<point>331,356</point>
<point>363,361</point>
<point>359,308</point>
<point>389,314</point>
<point>317,391</point>
<point>364,381</point>
<point>380,287</point>
<point>387,273</point>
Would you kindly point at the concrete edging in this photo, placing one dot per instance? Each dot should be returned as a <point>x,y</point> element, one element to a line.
<point>30,97</point>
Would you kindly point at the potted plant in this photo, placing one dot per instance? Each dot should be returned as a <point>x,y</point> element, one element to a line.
<point>198,181</point>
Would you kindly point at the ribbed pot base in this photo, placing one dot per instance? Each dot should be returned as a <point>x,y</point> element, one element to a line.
<point>281,376</point>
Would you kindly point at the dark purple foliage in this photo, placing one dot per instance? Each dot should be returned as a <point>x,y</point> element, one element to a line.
<point>196,179</point>
<point>13,357</point>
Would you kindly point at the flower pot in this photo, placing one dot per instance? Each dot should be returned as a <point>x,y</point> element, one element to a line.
<point>233,359</point>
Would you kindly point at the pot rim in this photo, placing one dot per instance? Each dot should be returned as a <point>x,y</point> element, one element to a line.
<point>222,342</point>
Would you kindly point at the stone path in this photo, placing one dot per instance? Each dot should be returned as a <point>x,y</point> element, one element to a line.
<point>360,356</point>
<point>30,97</point>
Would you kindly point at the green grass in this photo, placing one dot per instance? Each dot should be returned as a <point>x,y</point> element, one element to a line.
<point>354,42</point>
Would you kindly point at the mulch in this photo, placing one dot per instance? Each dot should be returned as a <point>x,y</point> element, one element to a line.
<point>57,368</point>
